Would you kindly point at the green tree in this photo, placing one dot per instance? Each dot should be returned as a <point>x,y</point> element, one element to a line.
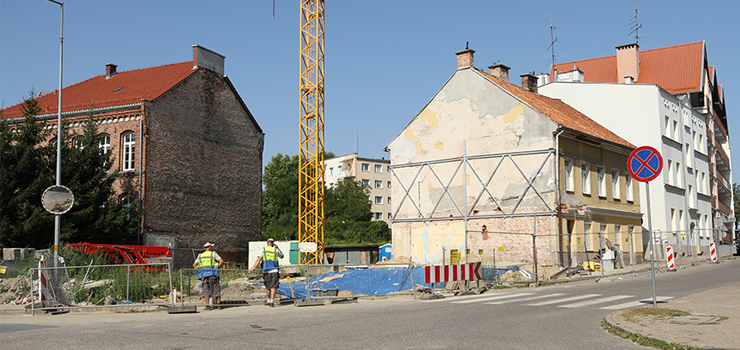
<point>280,197</point>
<point>29,167</point>
<point>25,174</point>
<point>348,201</point>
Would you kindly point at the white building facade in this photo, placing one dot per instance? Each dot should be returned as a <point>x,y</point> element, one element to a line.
<point>647,115</point>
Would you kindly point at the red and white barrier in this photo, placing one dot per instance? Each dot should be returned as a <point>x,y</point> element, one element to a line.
<point>44,292</point>
<point>713,251</point>
<point>669,258</point>
<point>451,273</point>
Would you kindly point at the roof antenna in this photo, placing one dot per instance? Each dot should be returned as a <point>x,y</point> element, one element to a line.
<point>635,26</point>
<point>553,40</point>
<point>466,45</point>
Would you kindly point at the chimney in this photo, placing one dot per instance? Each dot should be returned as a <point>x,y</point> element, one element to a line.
<point>465,57</point>
<point>205,58</point>
<point>529,82</point>
<point>629,80</point>
<point>628,61</point>
<point>110,70</point>
<point>500,71</point>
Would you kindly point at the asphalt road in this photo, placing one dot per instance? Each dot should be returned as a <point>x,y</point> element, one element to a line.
<point>565,316</point>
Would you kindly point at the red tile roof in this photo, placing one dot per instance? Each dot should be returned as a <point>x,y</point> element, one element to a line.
<point>561,113</point>
<point>677,69</point>
<point>123,88</point>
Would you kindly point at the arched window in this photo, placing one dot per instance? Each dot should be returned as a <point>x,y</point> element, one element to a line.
<point>104,143</point>
<point>129,148</point>
<point>80,142</point>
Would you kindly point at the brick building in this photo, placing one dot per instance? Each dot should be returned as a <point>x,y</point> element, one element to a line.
<point>184,143</point>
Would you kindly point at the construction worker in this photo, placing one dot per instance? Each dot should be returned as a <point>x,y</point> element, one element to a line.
<point>207,265</point>
<point>270,269</point>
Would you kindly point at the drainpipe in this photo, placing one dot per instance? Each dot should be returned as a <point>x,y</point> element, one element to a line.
<point>465,199</point>
<point>557,186</point>
<point>141,169</point>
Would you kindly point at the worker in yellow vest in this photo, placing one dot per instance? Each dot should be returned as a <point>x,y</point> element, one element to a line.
<point>207,265</point>
<point>270,269</point>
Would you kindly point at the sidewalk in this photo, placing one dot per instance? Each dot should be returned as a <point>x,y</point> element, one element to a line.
<point>713,323</point>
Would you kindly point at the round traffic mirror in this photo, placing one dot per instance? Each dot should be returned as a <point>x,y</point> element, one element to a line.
<point>57,199</point>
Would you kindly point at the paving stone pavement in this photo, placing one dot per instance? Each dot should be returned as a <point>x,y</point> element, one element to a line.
<point>720,334</point>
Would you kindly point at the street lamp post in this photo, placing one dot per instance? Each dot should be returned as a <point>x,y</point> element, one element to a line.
<point>57,218</point>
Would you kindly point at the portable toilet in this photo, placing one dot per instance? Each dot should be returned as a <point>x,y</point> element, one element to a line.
<point>385,252</point>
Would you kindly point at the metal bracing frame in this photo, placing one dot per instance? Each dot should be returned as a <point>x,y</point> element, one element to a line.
<point>465,161</point>
<point>311,158</point>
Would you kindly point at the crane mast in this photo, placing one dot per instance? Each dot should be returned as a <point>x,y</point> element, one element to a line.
<point>311,162</point>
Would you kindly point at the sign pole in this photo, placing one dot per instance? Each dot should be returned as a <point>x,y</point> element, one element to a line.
<point>652,244</point>
<point>645,164</point>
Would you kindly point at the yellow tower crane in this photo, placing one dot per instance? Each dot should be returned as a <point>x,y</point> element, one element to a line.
<point>311,163</point>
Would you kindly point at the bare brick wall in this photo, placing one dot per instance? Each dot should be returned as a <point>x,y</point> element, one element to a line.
<point>203,168</point>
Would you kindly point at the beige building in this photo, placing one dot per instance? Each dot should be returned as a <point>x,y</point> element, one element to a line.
<point>490,166</point>
<point>373,173</point>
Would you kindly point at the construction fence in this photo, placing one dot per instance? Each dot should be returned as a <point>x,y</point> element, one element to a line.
<point>63,287</point>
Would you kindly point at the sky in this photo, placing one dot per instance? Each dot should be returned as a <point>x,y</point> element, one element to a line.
<point>384,59</point>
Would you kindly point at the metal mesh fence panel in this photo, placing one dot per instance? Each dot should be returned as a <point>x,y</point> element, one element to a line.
<point>95,285</point>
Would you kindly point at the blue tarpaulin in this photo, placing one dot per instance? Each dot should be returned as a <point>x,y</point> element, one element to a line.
<point>373,281</point>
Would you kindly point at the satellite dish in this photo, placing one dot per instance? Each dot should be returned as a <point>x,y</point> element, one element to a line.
<point>57,199</point>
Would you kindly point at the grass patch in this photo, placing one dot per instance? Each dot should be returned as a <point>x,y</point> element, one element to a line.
<point>646,341</point>
<point>660,314</point>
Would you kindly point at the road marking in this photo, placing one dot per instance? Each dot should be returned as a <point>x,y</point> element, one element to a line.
<point>491,298</point>
<point>462,297</point>
<point>565,299</point>
<point>525,299</point>
<point>597,301</point>
<point>638,303</point>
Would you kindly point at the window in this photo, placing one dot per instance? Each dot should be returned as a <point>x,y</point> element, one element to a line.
<point>587,235</point>
<point>674,225</point>
<point>389,184</point>
<point>681,222</point>
<point>388,168</point>
<point>389,200</point>
<point>689,155</point>
<point>667,126</point>
<point>678,174</point>
<point>80,142</point>
<point>331,171</point>
<point>601,181</point>
<point>104,143</point>
<point>669,178</point>
<point>696,146</point>
<point>602,235</point>
<point>568,174</point>
<point>378,184</point>
<point>339,170</point>
<point>389,216</point>
<point>378,168</point>
<point>691,197</point>
<point>616,190</point>
<point>703,183</point>
<point>365,167</point>
<point>129,148</point>
<point>617,234</point>
<point>585,178</point>
<point>378,200</point>
<point>675,130</point>
<point>349,168</point>
<point>365,183</point>
<point>629,191</point>
<point>378,216</point>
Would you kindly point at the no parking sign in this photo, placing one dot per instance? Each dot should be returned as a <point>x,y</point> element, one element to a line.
<point>645,164</point>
